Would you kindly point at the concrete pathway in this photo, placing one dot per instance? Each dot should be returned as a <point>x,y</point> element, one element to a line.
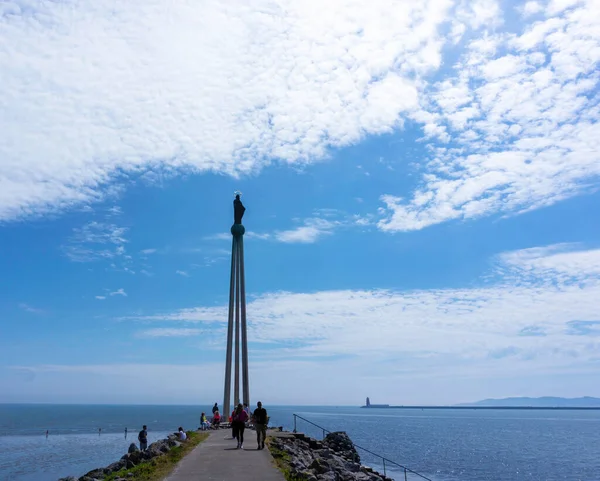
<point>217,459</point>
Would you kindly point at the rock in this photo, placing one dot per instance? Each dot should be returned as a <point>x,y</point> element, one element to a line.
<point>333,459</point>
<point>341,443</point>
<point>132,458</point>
<point>136,457</point>
<point>116,466</point>
<point>97,473</point>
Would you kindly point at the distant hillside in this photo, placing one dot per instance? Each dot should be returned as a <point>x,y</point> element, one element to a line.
<point>546,401</point>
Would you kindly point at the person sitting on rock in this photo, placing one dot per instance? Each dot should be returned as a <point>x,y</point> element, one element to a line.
<point>216,420</point>
<point>204,424</point>
<point>182,435</point>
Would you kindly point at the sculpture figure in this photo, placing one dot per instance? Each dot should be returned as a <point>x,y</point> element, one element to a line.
<point>238,210</point>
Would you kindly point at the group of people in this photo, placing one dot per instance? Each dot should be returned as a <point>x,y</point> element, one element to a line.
<point>241,415</point>
<point>143,437</point>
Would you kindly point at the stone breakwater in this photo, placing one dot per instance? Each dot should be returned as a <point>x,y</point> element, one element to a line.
<point>129,460</point>
<point>333,459</point>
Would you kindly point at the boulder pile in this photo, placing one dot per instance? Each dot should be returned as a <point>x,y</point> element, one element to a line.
<point>133,457</point>
<point>333,459</point>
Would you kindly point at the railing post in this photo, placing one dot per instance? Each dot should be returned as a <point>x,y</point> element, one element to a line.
<point>405,476</point>
<point>295,424</point>
<point>323,434</point>
<point>384,467</point>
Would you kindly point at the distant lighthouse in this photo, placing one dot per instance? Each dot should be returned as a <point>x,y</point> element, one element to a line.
<point>368,404</point>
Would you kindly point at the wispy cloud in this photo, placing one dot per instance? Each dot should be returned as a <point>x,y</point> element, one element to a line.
<point>509,322</point>
<point>28,308</point>
<point>170,332</point>
<point>100,298</point>
<point>119,292</point>
<point>293,115</point>
<point>96,240</point>
<point>510,153</point>
<point>182,273</point>
<point>311,231</point>
<point>148,251</point>
<point>220,236</point>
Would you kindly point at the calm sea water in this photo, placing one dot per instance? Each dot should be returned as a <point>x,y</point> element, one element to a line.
<point>445,445</point>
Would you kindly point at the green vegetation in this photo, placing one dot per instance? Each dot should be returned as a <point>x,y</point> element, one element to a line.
<point>282,461</point>
<point>160,467</point>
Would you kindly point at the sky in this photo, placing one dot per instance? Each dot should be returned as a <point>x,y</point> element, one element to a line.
<point>420,178</point>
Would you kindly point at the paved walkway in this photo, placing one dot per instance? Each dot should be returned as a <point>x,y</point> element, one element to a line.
<point>217,459</point>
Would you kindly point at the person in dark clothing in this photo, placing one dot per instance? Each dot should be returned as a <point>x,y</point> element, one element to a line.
<point>143,438</point>
<point>260,423</point>
<point>215,408</point>
<point>234,425</point>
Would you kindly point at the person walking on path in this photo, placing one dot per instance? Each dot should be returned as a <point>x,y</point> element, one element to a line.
<point>234,426</point>
<point>215,408</point>
<point>260,423</point>
<point>239,419</point>
<point>143,438</point>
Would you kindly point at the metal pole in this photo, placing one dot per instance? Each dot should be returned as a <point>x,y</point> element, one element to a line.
<point>295,424</point>
<point>236,386</point>
<point>384,467</point>
<point>245,377</point>
<point>227,391</point>
<point>405,475</point>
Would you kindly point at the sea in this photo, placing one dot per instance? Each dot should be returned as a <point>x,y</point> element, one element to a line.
<point>443,445</point>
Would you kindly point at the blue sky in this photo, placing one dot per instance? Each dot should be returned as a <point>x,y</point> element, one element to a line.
<point>420,183</point>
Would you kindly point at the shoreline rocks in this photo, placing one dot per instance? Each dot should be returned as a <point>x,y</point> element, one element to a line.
<point>333,459</point>
<point>132,458</point>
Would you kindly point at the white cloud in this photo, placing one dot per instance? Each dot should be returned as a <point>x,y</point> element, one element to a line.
<point>182,273</point>
<point>96,240</point>
<point>220,236</point>
<point>521,108</point>
<point>100,298</point>
<point>531,8</point>
<point>170,332</point>
<point>437,340</point>
<point>264,81</point>
<point>311,231</point>
<point>28,308</point>
<point>119,292</point>
<point>148,251</point>
<point>525,124</point>
<point>257,235</point>
<point>560,262</point>
<point>440,329</point>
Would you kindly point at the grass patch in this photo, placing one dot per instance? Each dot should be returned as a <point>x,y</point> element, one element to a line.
<point>282,461</point>
<point>160,467</point>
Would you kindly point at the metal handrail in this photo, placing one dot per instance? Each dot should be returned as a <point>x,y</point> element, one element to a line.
<point>384,459</point>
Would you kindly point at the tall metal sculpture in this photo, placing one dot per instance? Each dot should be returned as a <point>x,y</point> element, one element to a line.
<point>237,311</point>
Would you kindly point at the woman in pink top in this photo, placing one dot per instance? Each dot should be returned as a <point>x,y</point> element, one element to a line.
<point>239,418</point>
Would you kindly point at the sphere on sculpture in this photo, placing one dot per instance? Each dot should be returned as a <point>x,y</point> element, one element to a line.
<point>237,230</point>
